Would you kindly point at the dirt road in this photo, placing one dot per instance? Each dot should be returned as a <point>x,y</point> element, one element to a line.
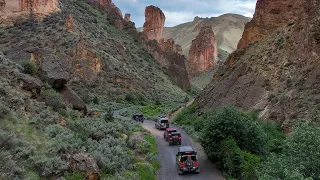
<point>167,155</point>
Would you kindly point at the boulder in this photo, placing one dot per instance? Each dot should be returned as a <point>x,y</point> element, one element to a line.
<point>71,97</point>
<point>86,164</point>
<point>28,82</point>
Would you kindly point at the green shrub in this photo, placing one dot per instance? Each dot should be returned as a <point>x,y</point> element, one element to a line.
<point>95,100</point>
<point>52,98</point>
<point>75,175</point>
<point>300,156</point>
<point>4,111</point>
<point>146,171</point>
<point>129,98</point>
<point>30,67</point>
<point>237,163</point>
<point>108,117</point>
<point>232,123</point>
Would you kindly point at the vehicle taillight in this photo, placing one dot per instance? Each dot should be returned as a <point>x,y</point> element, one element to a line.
<point>196,164</point>
<point>179,138</point>
<point>181,165</point>
<point>170,139</point>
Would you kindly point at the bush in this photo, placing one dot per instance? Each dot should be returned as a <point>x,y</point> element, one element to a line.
<point>52,98</point>
<point>30,67</point>
<point>129,98</point>
<point>300,157</point>
<point>237,163</point>
<point>95,100</point>
<point>108,117</point>
<point>231,123</point>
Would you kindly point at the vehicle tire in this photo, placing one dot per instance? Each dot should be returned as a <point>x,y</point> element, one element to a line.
<point>169,144</point>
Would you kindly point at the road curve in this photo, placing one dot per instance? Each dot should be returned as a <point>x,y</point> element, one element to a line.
<point>167,155</point>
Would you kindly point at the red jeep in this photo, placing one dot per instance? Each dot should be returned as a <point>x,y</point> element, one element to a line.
<point>172,136</point>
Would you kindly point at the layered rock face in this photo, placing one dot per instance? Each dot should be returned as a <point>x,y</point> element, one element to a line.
<point>154,23</point>
<point>13,10</point>
<point>203,52</point>
<point>279,75</point>
<point>270,15</point>
<point>167,53</point>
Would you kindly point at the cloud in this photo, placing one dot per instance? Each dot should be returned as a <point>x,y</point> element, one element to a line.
<point>180,11</point>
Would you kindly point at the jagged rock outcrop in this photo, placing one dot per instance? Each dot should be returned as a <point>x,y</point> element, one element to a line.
<point>86,64</point>
<point>279,75</point>
<point>154,23</point>
<point>203,52</point>
<point>70,25</point>
<point>127,17</point>
<point>114,14</point>
<point>13,10</point>
<point>270,15</point>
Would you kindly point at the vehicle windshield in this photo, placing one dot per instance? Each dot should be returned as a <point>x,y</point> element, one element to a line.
<point>172,131</point>
<point>164,121</point>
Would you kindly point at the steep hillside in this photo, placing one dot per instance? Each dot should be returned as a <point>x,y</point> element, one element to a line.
<point>279,75</point>
<point>228,29</point>
<point>91,52</point>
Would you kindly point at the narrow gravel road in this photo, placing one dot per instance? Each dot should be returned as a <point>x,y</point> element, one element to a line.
<point>167,155</point>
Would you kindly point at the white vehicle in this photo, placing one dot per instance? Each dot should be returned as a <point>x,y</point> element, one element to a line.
<point>162,122</point>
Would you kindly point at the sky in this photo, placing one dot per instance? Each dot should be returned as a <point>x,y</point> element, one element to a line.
<point>181,11</point>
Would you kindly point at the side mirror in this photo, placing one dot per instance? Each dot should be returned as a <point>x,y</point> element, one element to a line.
<point>177,155</point>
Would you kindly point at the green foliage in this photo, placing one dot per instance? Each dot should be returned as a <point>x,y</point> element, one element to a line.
<point>300,157</point>
<point>129,98</point>
<point>186,99</point>
<point>30,67</point>
<point>95,100</point>
<point>108,117</point>
<point>231,123</point>
<point>145,171</point>
<point>52,98</point>
<point>237,163</point>
<point>4,111</point>
<point>75,175</point>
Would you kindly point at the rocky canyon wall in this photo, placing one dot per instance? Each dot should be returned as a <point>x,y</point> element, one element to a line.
<point>203,52</point>
<point>270,15</point>
<point>13,10</point>
<point>154,23</point>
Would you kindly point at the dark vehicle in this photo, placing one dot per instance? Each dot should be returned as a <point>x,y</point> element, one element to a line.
<point>138,117</point>
<point>187,160</point>
<point>162,122</point>
<point>174,138</point>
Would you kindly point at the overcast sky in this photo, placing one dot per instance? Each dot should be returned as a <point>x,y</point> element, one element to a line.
<point>180,11</point>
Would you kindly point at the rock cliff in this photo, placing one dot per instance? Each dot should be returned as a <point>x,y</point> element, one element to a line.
<point>167,53</point>
<point>154,23</point>
<point>203,52</point>
<point>278,75</point>
<point>270,15</point>
<point>13,10</point>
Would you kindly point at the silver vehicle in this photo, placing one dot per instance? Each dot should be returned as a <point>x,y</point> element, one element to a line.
<point>162,122</point>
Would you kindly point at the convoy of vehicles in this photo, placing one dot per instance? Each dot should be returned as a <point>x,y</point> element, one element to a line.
<point>186,158</point>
